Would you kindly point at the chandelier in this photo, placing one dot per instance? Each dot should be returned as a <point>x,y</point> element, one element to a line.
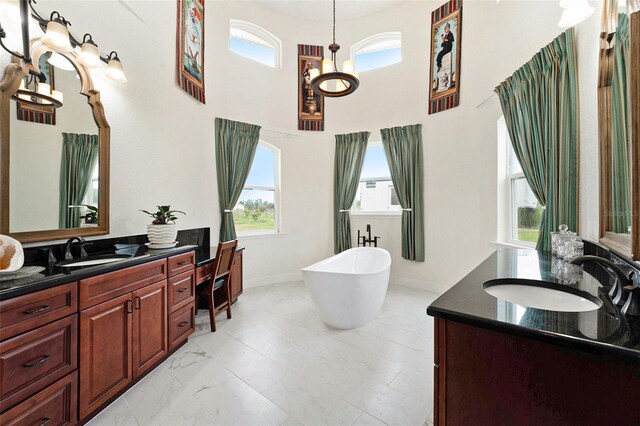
<point>57,36</point>
<point>35,91</point>
<point>331,82</point>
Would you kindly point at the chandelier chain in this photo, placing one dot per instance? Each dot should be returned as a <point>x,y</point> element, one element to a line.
<point>334,21</point>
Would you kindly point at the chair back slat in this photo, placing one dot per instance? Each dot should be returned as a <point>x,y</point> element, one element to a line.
<point>224,259</point>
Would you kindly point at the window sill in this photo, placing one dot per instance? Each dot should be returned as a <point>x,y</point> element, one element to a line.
<point>514,244</point>
<point>376,214</point>
<point>260,235</point>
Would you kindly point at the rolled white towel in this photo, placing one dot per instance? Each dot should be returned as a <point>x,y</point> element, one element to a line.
<point>11,254</point>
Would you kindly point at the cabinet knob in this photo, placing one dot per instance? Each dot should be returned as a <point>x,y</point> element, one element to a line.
<point>183,323</point>
<point>45,420</point>
<point>182,290</point>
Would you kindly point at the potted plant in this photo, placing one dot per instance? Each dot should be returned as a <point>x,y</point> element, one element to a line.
<point>163,230</point>
<point>91,216</point>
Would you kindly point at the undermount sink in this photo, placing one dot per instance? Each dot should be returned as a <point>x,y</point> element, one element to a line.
<point>542,295</point>
<point>93,260</point>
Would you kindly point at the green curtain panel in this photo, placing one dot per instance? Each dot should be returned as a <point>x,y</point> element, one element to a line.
<point>79,157</point>
<point>403,148</point>
<point>621,142</point>
<point>540,106</point>
<point>350,150</point>
<point>236,145</point>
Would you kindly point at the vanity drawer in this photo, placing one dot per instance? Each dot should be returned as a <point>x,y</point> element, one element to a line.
<point>181,263</point>
<point>53,406</point>
<point>105,287</point>
<point>35,359</point>
<point>203,273</point>
<point>181,290</point>
<point>24,313</point>
<point>181,324</point>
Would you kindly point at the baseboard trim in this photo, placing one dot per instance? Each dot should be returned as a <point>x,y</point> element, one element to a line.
<point>420,284</point>
<point>272,279</point>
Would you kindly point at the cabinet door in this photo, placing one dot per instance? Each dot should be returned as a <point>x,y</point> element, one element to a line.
<point>236,277</point>
<point>149,326</point>
<point>105,352</point>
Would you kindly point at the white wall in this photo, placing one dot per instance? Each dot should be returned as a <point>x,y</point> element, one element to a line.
<point>162,143</point>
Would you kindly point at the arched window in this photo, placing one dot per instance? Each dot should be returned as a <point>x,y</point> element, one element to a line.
<point>258,208</point>
<point>377,51</point>
<point>254,42</point>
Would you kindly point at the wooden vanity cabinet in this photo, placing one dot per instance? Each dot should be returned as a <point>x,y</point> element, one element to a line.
<point>39,357</point>
<point>236,277</point>
<point>487,377</point>
<point>124,336</point>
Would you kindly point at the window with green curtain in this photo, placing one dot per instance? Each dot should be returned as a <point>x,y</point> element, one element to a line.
<point>541,109</point>
<point>349,157</point>
<point>78,159</point>
<point>403,147</point>
<point>236,145</point>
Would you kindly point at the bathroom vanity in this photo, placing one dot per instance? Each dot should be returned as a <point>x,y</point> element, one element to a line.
<point>497,362</point>
<point>74,339</point>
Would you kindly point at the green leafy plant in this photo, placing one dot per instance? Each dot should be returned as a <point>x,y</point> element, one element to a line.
<point>92,215</point>
<point>164,215</point>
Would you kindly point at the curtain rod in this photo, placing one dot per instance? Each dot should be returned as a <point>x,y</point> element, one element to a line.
<point>281,131</point>
<point>486,100</point>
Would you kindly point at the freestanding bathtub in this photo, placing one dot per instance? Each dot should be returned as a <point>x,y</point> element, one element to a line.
<point>349,288</point>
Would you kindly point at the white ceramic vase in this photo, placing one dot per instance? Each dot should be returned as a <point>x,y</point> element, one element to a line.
<point>162,234</point>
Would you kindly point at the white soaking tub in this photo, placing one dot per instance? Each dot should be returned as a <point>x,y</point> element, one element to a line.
<point>349,288</point>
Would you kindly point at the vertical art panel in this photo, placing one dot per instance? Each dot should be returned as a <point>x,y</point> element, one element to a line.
<point>444,77</point>
<point>33,113</point>
<point>190,47</point>
<point>310,104</point>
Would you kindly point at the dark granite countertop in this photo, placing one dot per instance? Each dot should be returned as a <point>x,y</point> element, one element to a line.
<point>603,331</point>
<point>55,275</point>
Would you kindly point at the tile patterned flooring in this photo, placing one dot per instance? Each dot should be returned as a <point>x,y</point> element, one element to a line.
<point>276,363</point>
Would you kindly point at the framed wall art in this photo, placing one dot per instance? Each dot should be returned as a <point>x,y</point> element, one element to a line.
<point>310,104</point>
<point>444,76</point>
<point>39,114</point>
<point>190,47</point>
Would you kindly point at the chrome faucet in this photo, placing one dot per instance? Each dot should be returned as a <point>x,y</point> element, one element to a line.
<point>67,247</point>
<point>627,288</point>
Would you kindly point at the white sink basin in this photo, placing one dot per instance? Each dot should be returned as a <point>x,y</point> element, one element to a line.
<point>542,295</point>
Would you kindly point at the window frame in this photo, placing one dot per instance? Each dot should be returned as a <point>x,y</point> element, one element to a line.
<point>260,33</point>
<point>276,195</point>
<point>512,178</point>
<point>376,38</point>
<point>393,213</point>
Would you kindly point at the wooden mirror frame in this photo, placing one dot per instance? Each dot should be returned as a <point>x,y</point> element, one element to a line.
<point>628,246</point>
<point>9,84</point>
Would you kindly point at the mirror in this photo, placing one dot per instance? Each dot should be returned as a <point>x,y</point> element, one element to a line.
<point>54,160</point>
<point>618,105</point>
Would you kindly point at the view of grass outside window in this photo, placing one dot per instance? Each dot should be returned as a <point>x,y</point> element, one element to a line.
<point>375,191</point>
<point>526,213</point>
<point>256,210</point>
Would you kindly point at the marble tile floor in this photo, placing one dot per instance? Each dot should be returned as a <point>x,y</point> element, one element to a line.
<point>276,363</point>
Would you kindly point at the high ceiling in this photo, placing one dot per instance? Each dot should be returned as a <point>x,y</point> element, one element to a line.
<point>321,10</point>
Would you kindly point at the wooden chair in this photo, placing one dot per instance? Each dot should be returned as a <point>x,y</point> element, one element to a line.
<point>220,279</point>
